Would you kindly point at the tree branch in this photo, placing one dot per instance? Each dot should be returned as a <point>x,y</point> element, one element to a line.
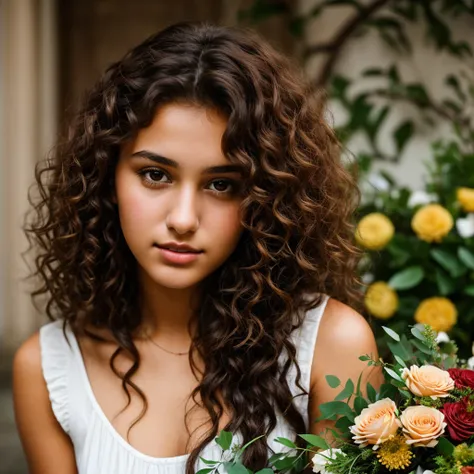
<point>335,46</point>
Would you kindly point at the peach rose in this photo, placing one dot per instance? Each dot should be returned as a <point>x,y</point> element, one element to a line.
<point>428,381</point>
<point>422,426</point>
<point>376,423</point>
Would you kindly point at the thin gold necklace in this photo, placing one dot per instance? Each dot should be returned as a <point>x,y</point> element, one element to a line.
<point>166,350</point>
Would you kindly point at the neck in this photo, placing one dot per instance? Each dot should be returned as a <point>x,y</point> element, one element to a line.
<point>166,311</point>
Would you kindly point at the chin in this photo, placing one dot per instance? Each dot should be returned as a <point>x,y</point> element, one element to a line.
<point>176,278</point>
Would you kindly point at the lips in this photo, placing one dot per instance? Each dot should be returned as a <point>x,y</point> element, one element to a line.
<point>178,248</point>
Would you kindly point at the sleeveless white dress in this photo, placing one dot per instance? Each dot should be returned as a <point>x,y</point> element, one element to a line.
<point>98,447</point>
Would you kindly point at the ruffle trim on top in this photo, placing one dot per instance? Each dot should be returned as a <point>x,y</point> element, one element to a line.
<point>56,356</point>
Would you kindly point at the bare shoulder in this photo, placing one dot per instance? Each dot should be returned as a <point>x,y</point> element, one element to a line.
<point>47,447</point>
<point>341,324</point>
<point>29,386</point>
<point>27,360</point>
<point>345,335</point>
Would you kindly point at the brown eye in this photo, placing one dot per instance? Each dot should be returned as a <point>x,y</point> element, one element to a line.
<point>155,175</point>
<point>222,186</point>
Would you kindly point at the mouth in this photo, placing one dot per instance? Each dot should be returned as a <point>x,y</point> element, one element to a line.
<point>178,248</point>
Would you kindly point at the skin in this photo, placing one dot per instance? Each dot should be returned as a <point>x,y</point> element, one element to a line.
<point>182,202</point>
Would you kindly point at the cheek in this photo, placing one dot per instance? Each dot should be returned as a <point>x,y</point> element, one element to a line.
<point>134,206</point>
<point>226,225</point>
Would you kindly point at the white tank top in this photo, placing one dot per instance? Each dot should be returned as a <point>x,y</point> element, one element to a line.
<point>98,447</point>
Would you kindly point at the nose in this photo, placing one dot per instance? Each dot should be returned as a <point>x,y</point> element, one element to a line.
<point>183,216</point>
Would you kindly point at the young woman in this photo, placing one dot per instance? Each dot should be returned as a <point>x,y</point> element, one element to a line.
<point>194,243</point>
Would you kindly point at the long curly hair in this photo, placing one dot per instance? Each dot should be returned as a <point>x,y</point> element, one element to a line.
<point>297,213</point>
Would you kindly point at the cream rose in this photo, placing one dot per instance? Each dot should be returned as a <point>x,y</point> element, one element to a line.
<point>428,381</point>
<point>376,423</point>
<point>422,426</point>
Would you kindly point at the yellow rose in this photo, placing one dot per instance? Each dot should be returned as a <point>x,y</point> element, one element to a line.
<point>376,423</point>
<point>428,381</point>
<point>381,300</point>
<point>422,426</point>
<point>466,198</point>
<point>438,312</point>
<point>374,231</point>
<point>432,222</point>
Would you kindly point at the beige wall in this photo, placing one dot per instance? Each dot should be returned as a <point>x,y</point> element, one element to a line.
<point>95,33</point>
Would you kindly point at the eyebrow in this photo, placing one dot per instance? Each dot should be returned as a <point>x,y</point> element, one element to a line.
<point>174,164</point>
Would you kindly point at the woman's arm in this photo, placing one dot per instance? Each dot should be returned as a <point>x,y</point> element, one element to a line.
<point>343,336</point>
<point>47,447</point>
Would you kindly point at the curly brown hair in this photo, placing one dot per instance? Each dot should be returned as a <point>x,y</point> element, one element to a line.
<point>297,214</point>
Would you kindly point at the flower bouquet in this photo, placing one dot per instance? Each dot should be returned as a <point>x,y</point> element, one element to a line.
<point>420,421</point>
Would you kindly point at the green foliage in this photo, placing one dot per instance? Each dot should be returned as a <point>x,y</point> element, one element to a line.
<point>418,270</point>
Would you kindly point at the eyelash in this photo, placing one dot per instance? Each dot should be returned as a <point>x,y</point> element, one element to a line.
<point>144,174</point>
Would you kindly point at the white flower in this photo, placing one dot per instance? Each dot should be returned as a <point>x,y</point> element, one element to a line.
<point>465,226</point>
<point>419,470</point>
<point>378,182</point>
<point>367,278</point>
<point>442,337</point>
<point>321,459</point>
<point>420,198</point>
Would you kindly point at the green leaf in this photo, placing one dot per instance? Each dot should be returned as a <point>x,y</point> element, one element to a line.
<point>347,392</point>
<point>391,333</point>
<point>466,257</point>
<point>448,261</point>
<point>285,463</point>
<point>400,350</point>
<point>418,334</point>
<point>404,393</point>
<point>371,393</point>
<point>333,381</point>
<point>469,290</point>
<point>315,440</point>
<point>343,424</point>
<point>359,404</point>
<point>418,94</point>
<point>408,278</point>
<point>237,468</point>
<point>265,470</point>
<point>373,71</point>
<point>444,447</point>
<point>446,285</point>
<point>402,134</point>
<point>286,442</point>
<point>207,461</point>
<point>339,85</point>
<point>400,361</point>
<point>393,374</point>
<point>420,346</point>
<point>393,74</point>
<point>275,457</point>
<point>224,440</point>
<point>205,470</point>
<point>332,409</point>
<point>453,82</point>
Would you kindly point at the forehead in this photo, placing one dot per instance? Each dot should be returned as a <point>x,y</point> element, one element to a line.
<point>186,133</point>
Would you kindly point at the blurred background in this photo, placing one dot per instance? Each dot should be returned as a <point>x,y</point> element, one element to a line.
<point>399,79</point>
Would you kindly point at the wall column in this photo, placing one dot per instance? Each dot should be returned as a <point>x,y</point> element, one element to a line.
<point>28,91</point>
